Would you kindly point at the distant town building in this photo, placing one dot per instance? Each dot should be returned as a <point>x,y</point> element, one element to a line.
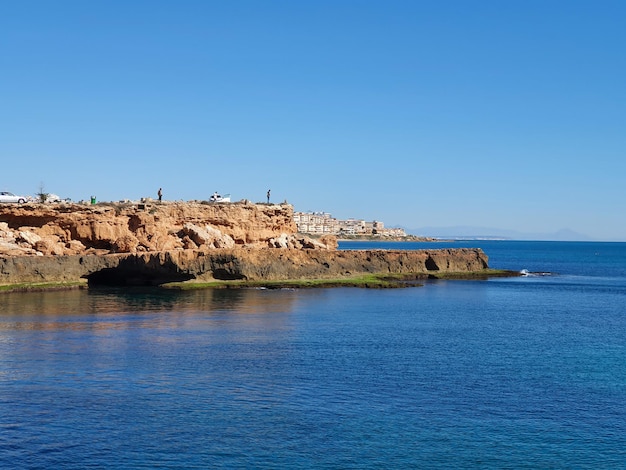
<point>323,223</point>
<point>319,223</point>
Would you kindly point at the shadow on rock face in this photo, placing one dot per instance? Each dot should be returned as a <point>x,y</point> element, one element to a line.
<point>225,275</point>
<point>431,264</point>
<point>121,277</point>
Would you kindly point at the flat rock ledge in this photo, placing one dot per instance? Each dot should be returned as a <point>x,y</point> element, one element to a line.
<point>247,264</point>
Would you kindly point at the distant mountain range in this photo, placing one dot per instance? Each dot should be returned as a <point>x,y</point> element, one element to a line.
<point>463,232</point>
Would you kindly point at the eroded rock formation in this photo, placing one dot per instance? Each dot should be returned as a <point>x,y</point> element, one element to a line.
<point>235,263</point>
<point>68,229</point>
<point>157,243</point>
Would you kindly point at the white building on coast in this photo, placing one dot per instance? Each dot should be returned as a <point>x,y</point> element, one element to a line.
<point>323,223</point>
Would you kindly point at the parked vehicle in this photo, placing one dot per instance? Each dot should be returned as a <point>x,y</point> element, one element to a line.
<point>215,197</point>
<point>6,196</point>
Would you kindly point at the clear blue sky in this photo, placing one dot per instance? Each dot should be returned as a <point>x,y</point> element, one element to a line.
<point>508,114</point>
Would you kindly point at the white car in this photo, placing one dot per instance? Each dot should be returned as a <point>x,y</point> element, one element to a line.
<point>6,196</point>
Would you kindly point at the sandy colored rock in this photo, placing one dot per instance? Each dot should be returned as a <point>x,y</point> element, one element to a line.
<point>207,236</point>
<point>126,244</point>
<point>29,237</point>
<point>147,227</point>
<point>49,246</point>
<point>155,243</point>
<point>74,247</point>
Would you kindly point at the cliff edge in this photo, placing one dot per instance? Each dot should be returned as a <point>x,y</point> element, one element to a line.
<point>104,228</point>
<point>152,244</point>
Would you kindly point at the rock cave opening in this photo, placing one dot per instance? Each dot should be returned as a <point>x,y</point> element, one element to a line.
<point>225,275</point>
<point>431,265</point>
<point>118,277</point>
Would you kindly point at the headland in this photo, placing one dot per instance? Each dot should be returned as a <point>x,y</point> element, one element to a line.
<point>186,244</point>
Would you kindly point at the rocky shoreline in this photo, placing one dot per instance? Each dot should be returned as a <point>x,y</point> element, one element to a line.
<point>155,244</point>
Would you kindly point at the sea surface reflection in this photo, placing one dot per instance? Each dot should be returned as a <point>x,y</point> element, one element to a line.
<point>133,308</point>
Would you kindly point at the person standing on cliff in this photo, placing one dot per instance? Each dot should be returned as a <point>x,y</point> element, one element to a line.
<point>160,194</point>
<point>268,196</point>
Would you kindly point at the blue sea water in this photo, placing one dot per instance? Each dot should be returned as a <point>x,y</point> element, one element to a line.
<point>523,372</point>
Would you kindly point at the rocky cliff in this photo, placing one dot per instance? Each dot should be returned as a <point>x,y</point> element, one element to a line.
<point>235,264</point>
<point>158,243</point>
<point>69,229</point>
